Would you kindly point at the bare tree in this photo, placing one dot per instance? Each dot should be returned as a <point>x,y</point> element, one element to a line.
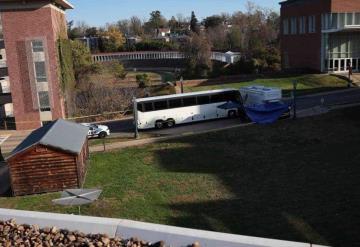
<point>136,26</point>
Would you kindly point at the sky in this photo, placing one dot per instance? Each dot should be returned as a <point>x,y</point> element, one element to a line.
<point>100,12</point>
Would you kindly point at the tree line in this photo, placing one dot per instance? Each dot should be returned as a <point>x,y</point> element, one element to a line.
<point>253,32</point>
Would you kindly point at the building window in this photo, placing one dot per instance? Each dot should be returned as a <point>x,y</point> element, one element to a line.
<point>334,21</point>
<point>341,20</point>
<point>302,25</point>
<point>40,72</point>
<point>37,46</point>
<point>286,27</point>
<point>44,101</point>
<point>349,18</point>
<point>357,19</point>
<point>293,27</point>
<point>312,24</point>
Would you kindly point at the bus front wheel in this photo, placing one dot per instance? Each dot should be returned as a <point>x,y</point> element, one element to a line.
<point>159,124</point>
<point>232,114</point>
<point>170,123</point>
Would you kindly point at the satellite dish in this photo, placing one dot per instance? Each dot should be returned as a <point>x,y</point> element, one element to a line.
<point>77,197</point>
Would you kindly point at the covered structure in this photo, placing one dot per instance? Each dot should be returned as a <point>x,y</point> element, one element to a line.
<point>52,158</point>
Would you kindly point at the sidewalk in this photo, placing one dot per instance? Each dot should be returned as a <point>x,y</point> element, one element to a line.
<point>140,142</point>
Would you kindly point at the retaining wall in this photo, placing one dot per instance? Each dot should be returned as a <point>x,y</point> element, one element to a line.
<point>174,236</point>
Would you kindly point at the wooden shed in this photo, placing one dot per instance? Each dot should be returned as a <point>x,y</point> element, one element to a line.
<point>52,158</point>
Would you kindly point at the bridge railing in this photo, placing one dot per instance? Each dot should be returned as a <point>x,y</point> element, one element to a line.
<point>228,57</point>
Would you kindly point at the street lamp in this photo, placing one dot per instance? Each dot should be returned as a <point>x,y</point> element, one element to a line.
<point>182,84</point>
<point>136,130</point>
<point>294,97</point>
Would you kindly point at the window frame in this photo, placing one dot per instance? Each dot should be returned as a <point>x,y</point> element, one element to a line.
<point>286,26</point>
<point>44,107</point>
<point>293,26</point>
<point>38,77</point>
<point>312,24</point>
<point>37,48</point>
<point>302,25</point>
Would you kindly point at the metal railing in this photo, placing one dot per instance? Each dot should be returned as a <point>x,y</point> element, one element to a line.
<point>159,55</point>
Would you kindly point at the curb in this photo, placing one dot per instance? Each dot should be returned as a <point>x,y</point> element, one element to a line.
<point>172,235</point>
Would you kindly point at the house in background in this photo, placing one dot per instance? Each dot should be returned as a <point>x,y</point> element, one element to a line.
<point>93,43</point>
<point>320,35</point>
<point>30,92</point>
<point>52,158</point>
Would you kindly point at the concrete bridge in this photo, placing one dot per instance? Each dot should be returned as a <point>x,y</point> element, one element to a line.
<point>160,58</point>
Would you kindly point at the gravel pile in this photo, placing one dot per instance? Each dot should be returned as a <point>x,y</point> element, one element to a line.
<point>16,235</point>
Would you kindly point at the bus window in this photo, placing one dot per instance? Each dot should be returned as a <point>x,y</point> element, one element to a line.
<point>216,98</point>
<point>203,100</point>
<point>140,107</point>
<point>175,103</point>
<point>232,96</point>
<point>148,106</point>
<point>189,101</point>
<point>160,105</point>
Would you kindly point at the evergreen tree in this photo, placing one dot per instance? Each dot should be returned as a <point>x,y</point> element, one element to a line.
<point>194,27</point>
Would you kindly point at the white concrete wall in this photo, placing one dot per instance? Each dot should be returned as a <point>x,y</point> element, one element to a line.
<point>174,236</point>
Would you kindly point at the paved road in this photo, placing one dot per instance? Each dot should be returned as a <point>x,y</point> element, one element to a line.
<point>125,127</point>
<point>348,96</point>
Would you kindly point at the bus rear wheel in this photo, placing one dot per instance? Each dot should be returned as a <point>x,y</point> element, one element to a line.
<point>159,124</point>
<point>170,123</point>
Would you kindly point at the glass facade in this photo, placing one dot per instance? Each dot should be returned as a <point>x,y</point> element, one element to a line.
<point>340,20</point>
<point>341,39</point>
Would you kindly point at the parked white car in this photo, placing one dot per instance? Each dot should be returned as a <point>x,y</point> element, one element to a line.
<point>100,131</point>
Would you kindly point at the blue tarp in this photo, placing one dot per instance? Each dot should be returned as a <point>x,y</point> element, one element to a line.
<point>266,113</point>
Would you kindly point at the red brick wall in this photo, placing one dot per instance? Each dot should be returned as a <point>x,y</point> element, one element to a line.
<point>19,26</point>
<point>303,49</point>
<point>345,6</point>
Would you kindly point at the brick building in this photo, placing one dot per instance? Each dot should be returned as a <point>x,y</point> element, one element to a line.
<point>29,72</point>
<point>320,35</point>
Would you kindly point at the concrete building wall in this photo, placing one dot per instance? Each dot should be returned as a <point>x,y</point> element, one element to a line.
<point>19,28</point>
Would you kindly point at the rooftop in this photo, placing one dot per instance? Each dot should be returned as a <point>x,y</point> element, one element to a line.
<point>295,1</point>
<point>60,134</point>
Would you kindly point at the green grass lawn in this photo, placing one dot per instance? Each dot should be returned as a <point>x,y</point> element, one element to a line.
<point>291,180</point>
<point>306,84</point>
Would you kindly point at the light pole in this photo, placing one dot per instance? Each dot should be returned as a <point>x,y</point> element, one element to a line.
<point>182,84</point>
<point>294,98</point>
<point>136,130</point>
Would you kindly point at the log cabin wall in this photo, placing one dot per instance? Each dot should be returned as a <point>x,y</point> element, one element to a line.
<point>42,169</point>
<point>82,161</point>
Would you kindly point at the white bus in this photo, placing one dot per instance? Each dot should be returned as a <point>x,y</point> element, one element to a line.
<point>169,110</point>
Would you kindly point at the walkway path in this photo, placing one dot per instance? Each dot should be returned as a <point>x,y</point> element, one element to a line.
<point>356,78</point>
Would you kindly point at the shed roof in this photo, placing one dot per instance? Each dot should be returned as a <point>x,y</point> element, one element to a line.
<point>60,134</point>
